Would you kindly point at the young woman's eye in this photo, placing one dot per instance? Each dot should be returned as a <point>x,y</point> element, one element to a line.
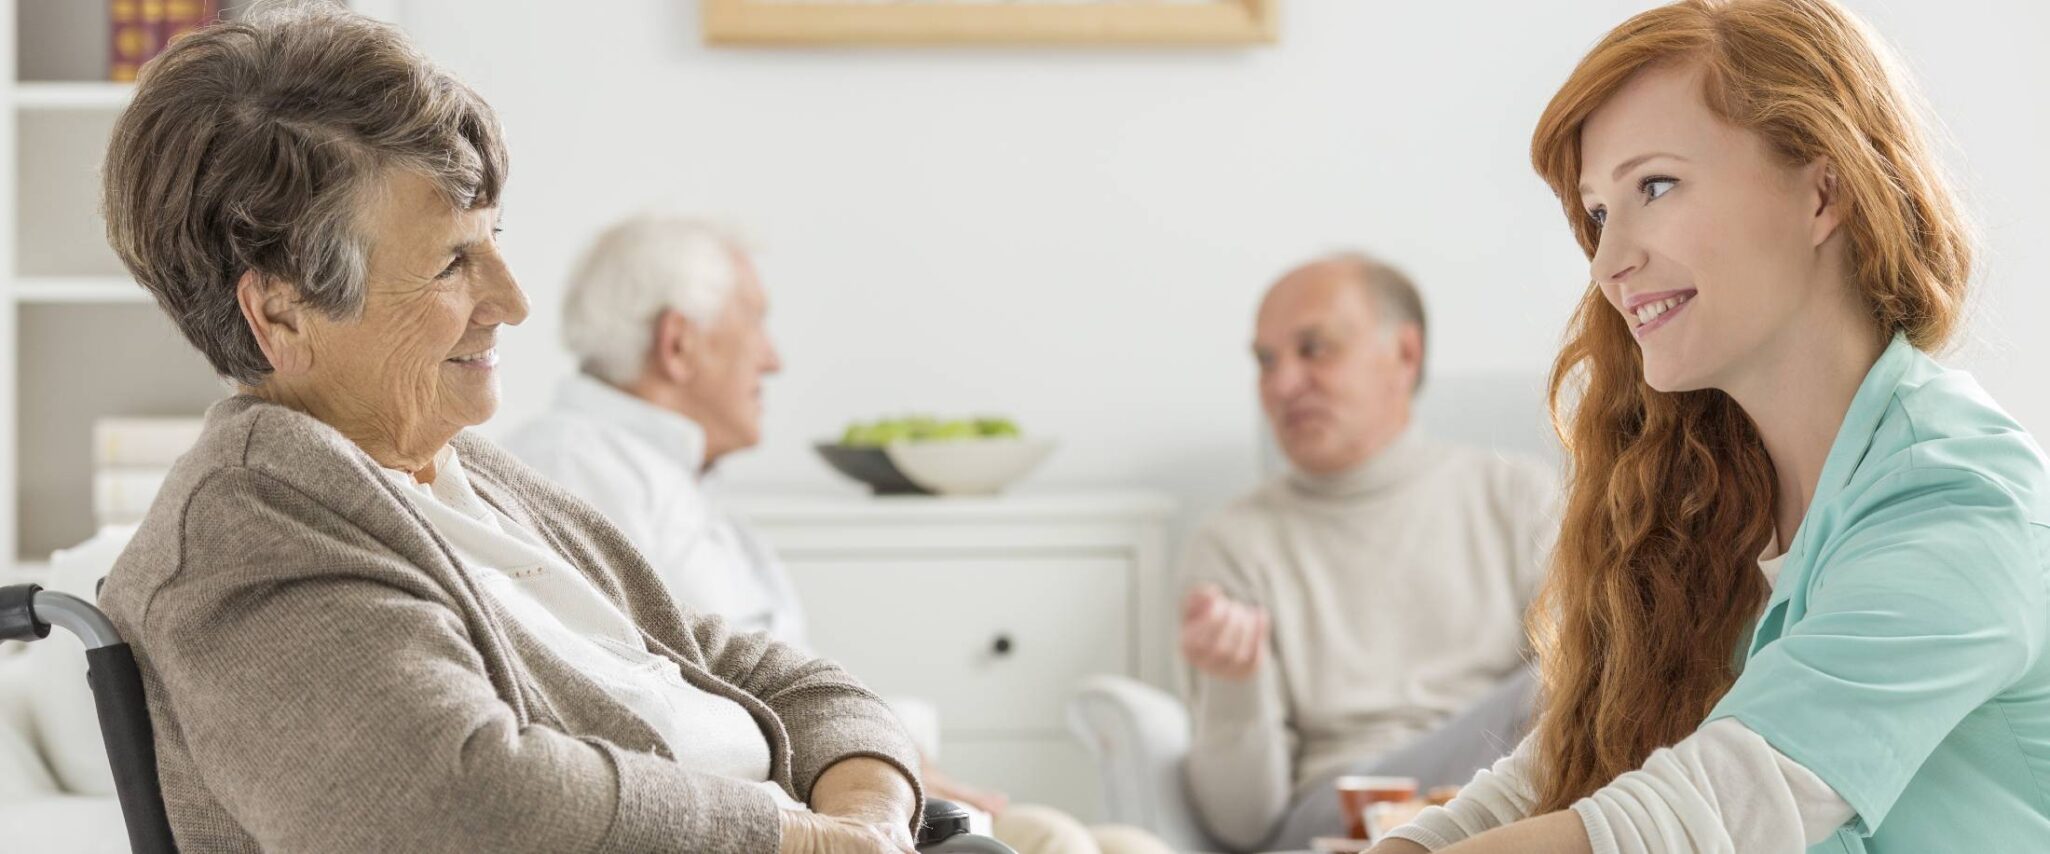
<point>1655,186</point>
<point>1599,215</point>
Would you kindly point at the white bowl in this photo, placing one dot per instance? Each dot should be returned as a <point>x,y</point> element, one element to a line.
<point>967,466</point>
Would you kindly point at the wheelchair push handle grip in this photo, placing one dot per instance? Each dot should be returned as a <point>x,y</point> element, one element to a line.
<point>18,614</point>
<point>946,832</point>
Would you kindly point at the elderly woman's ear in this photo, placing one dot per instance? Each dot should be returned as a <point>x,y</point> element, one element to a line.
<point>277,318</point>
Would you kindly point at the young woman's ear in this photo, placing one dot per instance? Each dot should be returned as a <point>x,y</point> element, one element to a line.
<point>1828,194</point>
<point>277,319</point>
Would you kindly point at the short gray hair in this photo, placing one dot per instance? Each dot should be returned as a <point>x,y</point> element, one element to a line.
<point>253,146</point>
<point>1394,295</point>
<point>634,271</point>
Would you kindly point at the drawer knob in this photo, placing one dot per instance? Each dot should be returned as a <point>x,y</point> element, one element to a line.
<point>1002,646</point>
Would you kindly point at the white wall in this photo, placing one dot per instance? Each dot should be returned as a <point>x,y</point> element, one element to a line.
<point>1077,237</point>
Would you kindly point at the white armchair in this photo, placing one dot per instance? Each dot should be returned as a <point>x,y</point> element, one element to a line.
<point>1139,736</point>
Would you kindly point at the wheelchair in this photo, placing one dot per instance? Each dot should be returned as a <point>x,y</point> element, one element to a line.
<point>26,614</point>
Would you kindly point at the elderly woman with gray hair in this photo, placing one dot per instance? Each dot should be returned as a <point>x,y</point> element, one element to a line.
<point>361,627</point>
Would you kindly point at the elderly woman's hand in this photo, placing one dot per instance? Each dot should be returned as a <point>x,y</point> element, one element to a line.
<point>860,804</point>
<point>812,833</point>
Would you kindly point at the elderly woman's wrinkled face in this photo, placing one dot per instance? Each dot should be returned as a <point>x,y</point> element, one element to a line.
<point>419,364</point>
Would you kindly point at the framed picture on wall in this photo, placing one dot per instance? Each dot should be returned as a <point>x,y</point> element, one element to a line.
<point>1014,22</point>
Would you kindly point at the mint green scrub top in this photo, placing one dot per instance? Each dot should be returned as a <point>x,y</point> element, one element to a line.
<point>1902,656</point>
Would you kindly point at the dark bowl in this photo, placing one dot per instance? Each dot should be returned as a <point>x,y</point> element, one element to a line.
<point>870,466</point>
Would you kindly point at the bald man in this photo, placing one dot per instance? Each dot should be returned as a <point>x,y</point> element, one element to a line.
<point>1363,613</point>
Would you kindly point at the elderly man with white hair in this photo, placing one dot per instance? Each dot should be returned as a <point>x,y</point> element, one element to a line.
<point>667,318</point>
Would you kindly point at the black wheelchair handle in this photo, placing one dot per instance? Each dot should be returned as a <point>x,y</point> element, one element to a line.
<point>27,612</point>
<point>18,614</point>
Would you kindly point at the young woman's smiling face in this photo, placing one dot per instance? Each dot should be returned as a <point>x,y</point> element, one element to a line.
<point>1712,246</point>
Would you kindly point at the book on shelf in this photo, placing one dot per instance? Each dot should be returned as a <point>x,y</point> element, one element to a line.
<point>184,16</point>
<point>141,29</point>
<point>129,43</point>
<point>143,442</point>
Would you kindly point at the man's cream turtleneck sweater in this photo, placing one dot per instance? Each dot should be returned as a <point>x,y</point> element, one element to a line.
<point>1397,592</point>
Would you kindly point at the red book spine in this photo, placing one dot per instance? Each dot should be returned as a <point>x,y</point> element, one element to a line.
<point>184,16</point>
<point>153,25</point>
<point>128,40</point>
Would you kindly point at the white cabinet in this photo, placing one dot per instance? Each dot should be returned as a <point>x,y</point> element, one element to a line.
<point>993,609</point>
<point>981,638</point>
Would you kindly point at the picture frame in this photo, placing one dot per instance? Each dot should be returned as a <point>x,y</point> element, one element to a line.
<point>989,22</point>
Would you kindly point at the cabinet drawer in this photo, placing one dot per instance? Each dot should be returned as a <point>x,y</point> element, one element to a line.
<point>996,644</point>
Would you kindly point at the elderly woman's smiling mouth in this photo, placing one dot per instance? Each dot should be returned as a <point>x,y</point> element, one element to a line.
<point>478,360</point>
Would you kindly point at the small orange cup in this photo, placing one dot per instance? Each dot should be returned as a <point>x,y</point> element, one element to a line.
<point>1355,794</point>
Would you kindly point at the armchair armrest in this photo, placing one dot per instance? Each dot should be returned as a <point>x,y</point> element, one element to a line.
<point>1139,736</point>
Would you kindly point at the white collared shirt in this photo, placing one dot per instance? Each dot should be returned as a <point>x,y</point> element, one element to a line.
<point>641,466</point>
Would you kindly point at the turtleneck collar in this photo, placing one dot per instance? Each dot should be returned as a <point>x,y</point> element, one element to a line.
<point>1387,468</point>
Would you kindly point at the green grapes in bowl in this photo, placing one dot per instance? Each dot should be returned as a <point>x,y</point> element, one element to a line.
<point>922,454</point>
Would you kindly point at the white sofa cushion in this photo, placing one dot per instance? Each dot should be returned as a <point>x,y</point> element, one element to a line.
<point>22,770</point>
<point>64,824</point>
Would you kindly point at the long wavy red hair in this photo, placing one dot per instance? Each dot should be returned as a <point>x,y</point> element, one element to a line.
<point>1654,581</point>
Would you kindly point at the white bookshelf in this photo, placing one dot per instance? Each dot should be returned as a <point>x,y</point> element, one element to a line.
<point>58,290</point>
<point>68,95</point>
<point>82,340</point>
